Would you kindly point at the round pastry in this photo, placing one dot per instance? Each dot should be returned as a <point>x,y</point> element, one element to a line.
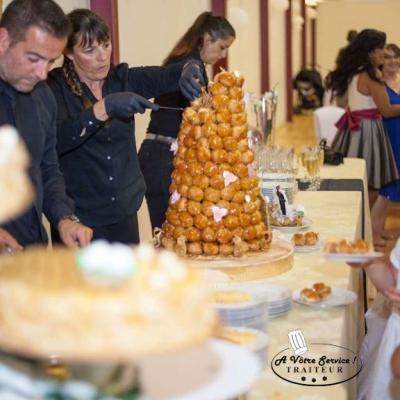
<point>204,114</point>
<point>331,247</point>
<point>218,156</point>
<point>226,79</point>
<point>186,220</point>
<point>195,193</point>
<point>194,168</point>
<point>236,93</point>
<point>208,235</point>
<point>220,101</point>
<point>318,286</point>
<point>179,231</point>
<point>215,142</point>
<point>111,308</point>
<point>218,88</point>
<point>325,292</point>
<point>181,204</point>
<point>299,239</point>
<point>183,190</point>
<point>311,238</point>
<point>361,246</point>
<point>211,249</point>
<point>223,115</point>
<point>200,221</point>
<point>345,247</point>
<point>195,249</point>
<point>239,132</point>
<point>192,234</point>
<point>210,169</point>
<point>225,250</point>
<point>202,181</point>
<point>310,295</point>
<point>224,129</point>
<point>233,157</point>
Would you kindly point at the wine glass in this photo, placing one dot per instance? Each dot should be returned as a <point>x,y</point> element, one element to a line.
<point>313,164</point>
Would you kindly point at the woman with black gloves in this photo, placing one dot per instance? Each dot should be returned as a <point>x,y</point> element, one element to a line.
<point>95,125</point>
<point>207,40</point>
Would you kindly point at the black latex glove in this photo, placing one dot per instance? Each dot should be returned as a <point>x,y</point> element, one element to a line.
<point>125,104</point>
<point>191,80</point>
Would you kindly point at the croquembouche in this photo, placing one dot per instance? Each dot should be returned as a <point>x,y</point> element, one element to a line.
<point>216,207</point>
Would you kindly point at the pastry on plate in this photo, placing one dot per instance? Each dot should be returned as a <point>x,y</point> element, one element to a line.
<point>306,239</point>
<point>319,292</point>
<point>347,247</point>
<point>231,296</point>
<point>299,239</point>
<point>311,238</point>
<point>310,295</point>
<point>322,289</point>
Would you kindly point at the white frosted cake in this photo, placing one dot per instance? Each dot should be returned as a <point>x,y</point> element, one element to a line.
<point>138,302</point>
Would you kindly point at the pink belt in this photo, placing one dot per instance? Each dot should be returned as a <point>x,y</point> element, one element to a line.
<point>352,119</point>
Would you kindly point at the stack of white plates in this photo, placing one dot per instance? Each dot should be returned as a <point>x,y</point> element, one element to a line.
<point>279,298</point>
<point>250,314</point>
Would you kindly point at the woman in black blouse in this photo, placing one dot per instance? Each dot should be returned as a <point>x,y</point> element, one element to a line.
<point>207,40</point>
<point>95,125</point>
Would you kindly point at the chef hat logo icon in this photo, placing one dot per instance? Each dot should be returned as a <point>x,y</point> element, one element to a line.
<point>298,342</point>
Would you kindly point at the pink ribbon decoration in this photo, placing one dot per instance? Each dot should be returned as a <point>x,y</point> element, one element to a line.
<point>174,147</point>
<point>352,119</point>
<point>174,197</point>
<point>218,213</point>
<point>229,178</point>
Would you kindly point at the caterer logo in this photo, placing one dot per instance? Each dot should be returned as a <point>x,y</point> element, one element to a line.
<point>315,364</point>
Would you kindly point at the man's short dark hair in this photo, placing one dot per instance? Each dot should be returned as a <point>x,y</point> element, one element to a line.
<point>20,15</point>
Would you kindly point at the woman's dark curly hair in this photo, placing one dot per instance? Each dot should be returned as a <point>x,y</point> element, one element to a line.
<point>355,58</point>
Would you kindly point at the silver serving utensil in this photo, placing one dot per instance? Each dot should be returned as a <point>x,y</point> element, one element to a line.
<point>171,108</point>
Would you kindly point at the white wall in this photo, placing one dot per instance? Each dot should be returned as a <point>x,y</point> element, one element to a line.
<point>277,58</point>
<point>297,25</point>
<point>244,54</point>
<point>335,18</point>
<point>67,5</point>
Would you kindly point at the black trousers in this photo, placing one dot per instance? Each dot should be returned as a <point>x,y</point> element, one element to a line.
<point>155,160</point>
<point>125,231</point>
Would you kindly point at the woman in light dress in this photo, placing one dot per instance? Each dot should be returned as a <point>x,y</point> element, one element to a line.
<point>377,380</point>
<point>361,132</point>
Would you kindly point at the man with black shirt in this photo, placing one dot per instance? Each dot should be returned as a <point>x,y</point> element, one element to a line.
<point>33,34</point>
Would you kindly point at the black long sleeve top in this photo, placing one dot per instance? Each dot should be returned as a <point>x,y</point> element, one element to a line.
<point>99,161</point>
<point>167,122</point>
<point>34,116</point>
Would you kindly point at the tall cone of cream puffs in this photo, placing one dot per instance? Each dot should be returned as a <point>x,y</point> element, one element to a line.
<point>215,206</point>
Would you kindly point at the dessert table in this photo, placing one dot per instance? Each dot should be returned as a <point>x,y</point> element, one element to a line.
<point>335,214</point>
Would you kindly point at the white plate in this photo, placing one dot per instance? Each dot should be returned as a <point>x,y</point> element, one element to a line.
<point>306,223</point>
<point>239,371</point>
<point>309,249</point>
<point>355,258</point>
<point>338,297</point>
